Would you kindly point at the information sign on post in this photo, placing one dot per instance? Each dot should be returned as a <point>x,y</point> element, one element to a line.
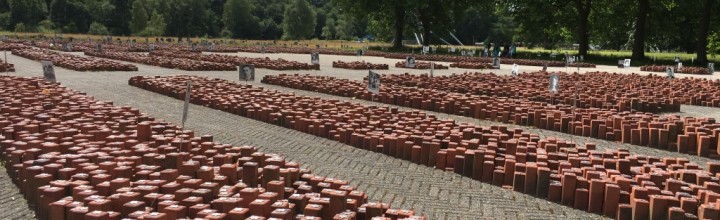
<point>670,73</point>
<point>373,82</point>
<point>48,71</point>
<point>711,67</point>
<point>247,72</point>
<point>410,62</point>
<point>554,83</point>
<point>315,58</point>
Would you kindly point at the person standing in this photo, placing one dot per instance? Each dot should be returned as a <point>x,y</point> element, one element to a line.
<point>496,50</point>
<point>506,50</point>
<point>513,51</point>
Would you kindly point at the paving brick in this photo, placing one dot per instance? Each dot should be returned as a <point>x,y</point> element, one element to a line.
<point>402,183</point>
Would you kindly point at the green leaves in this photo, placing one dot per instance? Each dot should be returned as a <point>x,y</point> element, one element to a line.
<point>300,20</point>
<point>239,20</point>
<point>140,16</point>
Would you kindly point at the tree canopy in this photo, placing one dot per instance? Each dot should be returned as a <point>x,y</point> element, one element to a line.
<point>584,25</point>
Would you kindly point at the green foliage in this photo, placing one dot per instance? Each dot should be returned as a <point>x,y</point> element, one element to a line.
<point>99,10</point>
<point>540,21</point>
<point>239,21</point>
<point>72,15</point>
<point>20,27</point>
<point>5,20</point>
<point>185,18</point>
<point>98,29</point>
<point>155,27</point>
<point>139,19</point>
<point>271,14</point>
<point>476,25</point>
<point>117,19</point>
<point>347,27</point>
<point>46,26</point>
<point>671,25</point>
<point>302,26</point>
<point>380,26</point>
<point>503,29</point>
<point>714,43</point>
<point>28,12</point>
<point>617,25</point>
<point>329,31</point>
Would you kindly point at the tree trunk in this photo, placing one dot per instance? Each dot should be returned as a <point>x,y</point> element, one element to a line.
<point>638,51</point>
<point>426,34</point>
<point>583,7</point>
<point>399,26</point>
<point>425,27</point>
<point>703,33</point>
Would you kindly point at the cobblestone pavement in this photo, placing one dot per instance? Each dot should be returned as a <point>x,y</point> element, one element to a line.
<point>437,194</point>
<point>12,203</point>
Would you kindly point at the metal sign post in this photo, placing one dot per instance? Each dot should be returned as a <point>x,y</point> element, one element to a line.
<point>187,103</point>
<point>567,62</point>
<point>575,99</point>
<point>7,71</point>
<point>432,68</point>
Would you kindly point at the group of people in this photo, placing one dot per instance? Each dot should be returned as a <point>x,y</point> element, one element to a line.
<point>508,50</point>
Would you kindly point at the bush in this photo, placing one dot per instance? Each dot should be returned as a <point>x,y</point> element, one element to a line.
<point>5,21</point>
<point>20,27</point>
<point>98,29</point>
<point>46,26</point>
<point>70,28</point>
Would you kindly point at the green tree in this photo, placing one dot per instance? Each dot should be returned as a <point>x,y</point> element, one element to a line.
<point>503,29</point>
<point>380,26</point>
<point>99,11</point>
<point>394,13</point>
<point>271,16</point>
<point>618,26</point>
<point>302,24</point>
<point>185,18</point>
<point>239,21</point>
<point>5,16</point>
<point>20,27</point>
<point>436,17</point>
<point>156,26</point>
<point>215,17</point>
<point>98,29</point>
<point>702,41</point>
<point>477,24</point>
<point>583,8</point>
<point>118,17</point>
<point>638,50</point>
<point>71,15</point>
<point>139,19</point>
<point>5,20</point>
<point>46,26</point>
<point>328,32</point>
<point>27,12</point>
